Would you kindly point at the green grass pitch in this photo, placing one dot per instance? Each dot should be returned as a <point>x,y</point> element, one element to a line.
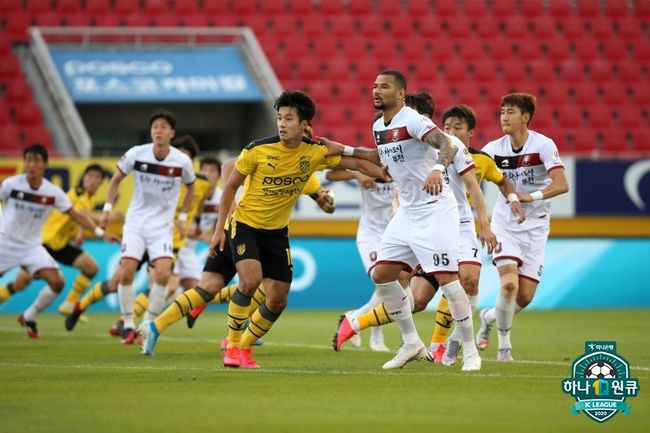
<point>85,381</point>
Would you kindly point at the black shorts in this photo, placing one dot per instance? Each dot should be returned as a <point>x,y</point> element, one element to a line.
<point>66,255</point>
<point>222,263</point>
<point>269,247</point>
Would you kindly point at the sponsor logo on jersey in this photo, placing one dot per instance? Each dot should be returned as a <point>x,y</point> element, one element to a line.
<point>288,180</point>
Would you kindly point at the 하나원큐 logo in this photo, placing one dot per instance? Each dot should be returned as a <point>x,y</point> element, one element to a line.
<point>600,382</point>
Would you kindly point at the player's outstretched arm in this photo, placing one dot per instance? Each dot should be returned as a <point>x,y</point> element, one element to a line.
<point>336,148</point>
<point>486,235</point>
<point>86,222</point>
<point>364,166</point>
<point>559,185</point>
<point>341,175</point>
<point>113,186</point>
<point>185,208</point>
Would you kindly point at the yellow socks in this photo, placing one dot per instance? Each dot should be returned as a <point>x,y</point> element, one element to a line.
<point>375,317</point>
<point>261,322</point>
<point>80,284</point>
<point>258,299</point>
<point>443,322</point>
<point>140,304</point>
<point>97,293</point>
<point>183,304</point>
<point>237,315</point>
<point>224,295</point>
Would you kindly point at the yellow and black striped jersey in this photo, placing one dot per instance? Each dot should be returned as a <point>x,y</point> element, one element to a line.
<point>59,228</point>
<point>277,175</point>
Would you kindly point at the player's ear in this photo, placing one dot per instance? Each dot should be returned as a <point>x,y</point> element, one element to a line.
<point>470,133</point>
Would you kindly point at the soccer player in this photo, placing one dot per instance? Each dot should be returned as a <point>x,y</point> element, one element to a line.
<point>159,169</point>
<point>377,210</point>
<point>424,228</point>
<point>532,163</point>
<point>460,121</point>
<point>277,169</point>
<point>31,197</point>
<point>62,238</point>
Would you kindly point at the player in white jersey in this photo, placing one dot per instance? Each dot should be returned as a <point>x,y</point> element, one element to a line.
<point>2,223</point>
<point>424,228</point>
<point>28,200</point>
<point>159,170</point>
<point>376,212</point>
<point>532,163</point>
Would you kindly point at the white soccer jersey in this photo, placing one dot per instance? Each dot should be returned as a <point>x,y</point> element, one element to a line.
<point>26,209</point>
<point>377,210</point>
<point>157,185</point>
<point>460,165</point>
<point>528,170</point>
<point>410,160</point>
<point>210,211</point>
<point>2,223</point>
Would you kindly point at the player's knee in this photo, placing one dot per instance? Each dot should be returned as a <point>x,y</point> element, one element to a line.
<point>90,270</point>
<point>276,305</point>
<point>509,286</point>
<point>524,300</point>
<point>470,284</point>
<point>57,284</point>
<point>419,304</point>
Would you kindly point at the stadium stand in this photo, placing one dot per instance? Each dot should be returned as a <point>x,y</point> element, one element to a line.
<point>594,55</point>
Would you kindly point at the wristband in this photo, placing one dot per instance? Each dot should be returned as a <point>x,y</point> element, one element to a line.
<point>182,217</point>
<point>348,150</point>
<point>314,196</point>
<point>439,167</point>
<point>107,207</point>
<point>512,197</point>
<point>537,195</point>
<point>99,232</point>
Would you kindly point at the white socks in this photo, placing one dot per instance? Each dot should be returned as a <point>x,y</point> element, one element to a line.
<point>374,300</point>
<point>45,297</point>
<point>396,303</point>
<point>156,302</point>
<point>473,301</point>
<point>462,314</point>
<point>126,294</point>
<point>491,315</point>
<point>505,312</point>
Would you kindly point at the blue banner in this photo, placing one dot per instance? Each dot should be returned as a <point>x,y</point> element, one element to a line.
<point>328,273</point>
<point>215,74</point>
<point>613,187</point>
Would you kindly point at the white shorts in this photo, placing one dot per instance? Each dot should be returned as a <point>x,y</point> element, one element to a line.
<point>157,243</point>
<point>432,240</point>
<point>34,258</point>
<point>526,249</point>
<point>470,249</point>
<point>368,246</point>
<point>187,263</point>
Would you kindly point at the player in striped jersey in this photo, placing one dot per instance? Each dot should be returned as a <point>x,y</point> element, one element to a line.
<point>532,163</point>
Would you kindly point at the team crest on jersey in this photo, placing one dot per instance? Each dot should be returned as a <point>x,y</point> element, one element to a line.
<point>20,195</point>
<point>395,135</point>
<point>525,161</point>
<point>373,256</point>
<point>241,249</point>
<point>144,167</point>
<point>170,170</point>
<point>304,166</point>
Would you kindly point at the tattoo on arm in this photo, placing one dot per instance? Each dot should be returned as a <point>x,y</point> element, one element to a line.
<point>446,149</point>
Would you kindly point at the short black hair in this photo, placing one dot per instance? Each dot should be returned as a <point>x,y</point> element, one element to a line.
<point>37,149</point>
<point>422,102</point>
<point>210,160</point>
<point>91,167</point>
<point>461,111</point>
<point>163,114</point>
<point>301,101</point>
<point>400,79</point>
<point>524,101</point>
<point>186,142</point>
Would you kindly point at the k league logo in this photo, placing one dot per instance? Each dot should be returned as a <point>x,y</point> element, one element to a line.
<point>600,382</point>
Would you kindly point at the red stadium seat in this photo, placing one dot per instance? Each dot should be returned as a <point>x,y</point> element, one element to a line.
<point>544,27</point>
<point>9,7</point>
<point>125,7</point>
<point>10,143</point>
<point>368,69</point>
<point>331,116</point>
<point>616,50</point>
<point>77,20</point>
<point>418,7</point>
<point>389,8</point>
<point>615,142</point>
<point>326,47</point>
<point>629,28</point>
<point>401,26</point>
<point>514,72</point>
<point>373,26</point>
<point>543,120</point>
<point>48,19</point>
<point>600,71</point>
<point>582,143</point>
<point>37,7</point>
<point>504,8</point>
<point>214,7</point>
<point>98,7</point>
<point>572,71</point>
<point>315,26</point>
<point>587,50</point>
<point>540,71</point>
<point>185,7</point>
<point>66,7</point>
<point>272,8</point>
<point>629,73</point>
<point>616,9</point>
<point>571,118</point>
<point>485,71</point>
<point>475,9</point>
<point>339,69</point>
<point>37,134</point>
<point>295,48</point>
<point>601,28</point>
<point>447,8</point>
<point>455,71</point>
<point>343,27</point>
<point>356,48</point>
<point>18,25</point>
<point>555,94</point>
<point>309,69</point>
<point>5,115</point>
<point>585,94</point>
<point>641,94</point>
<point>360,7</point>
<point>322,92</point>
<point>416,50</point>
<point>600,117</point>
<point>18,91</point>
<point>469,93</point>
<point>560,8</point>
<point>332,7</point>
<point>458,27</point>
<point>532,8</point>
<point>516,28</point>
<point>430,25</point>
<point>488,27</point>
<point>573,28</point>
<point>155,7</point>
<point>351,92</point>
<point>629,117</point>
<point>10,68</point>
<point>443,49</point>
<point>500,48</point>
<point>557,50</point>
<point>472,50</point>
<point>614,94</point>
<point>588,8</point>
<point>642,50</point>
<point>641,141</point>
<point>642,8</point>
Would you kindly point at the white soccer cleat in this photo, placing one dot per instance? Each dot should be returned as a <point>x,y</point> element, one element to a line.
<point>483,334</point>
<point>472,362</point>
<point>450,356</point>
<point>505,355</point>
<point>406,354</point>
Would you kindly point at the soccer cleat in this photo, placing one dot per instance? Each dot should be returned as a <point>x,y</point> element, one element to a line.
<point>31,327</point>
<point>117,330</point>
<point>343,333</point>
<point>72,317</point>
<point>406,354</point>
<point>437,352</point>
<point>149,335</point>
<point>194,315</point>
<point>128,336</point>
<point>377,344</point>
<point>355,341</point>
<point>246,359</point>
<point>505,355</point>
<point>450,356</point>
<point>223,344</point>
<point>472,362</point>
<point>231,358</point>
<point>65,308</point>
<point>483,334</point>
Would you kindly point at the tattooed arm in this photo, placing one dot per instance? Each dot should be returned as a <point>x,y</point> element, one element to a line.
<point>446,152</point>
